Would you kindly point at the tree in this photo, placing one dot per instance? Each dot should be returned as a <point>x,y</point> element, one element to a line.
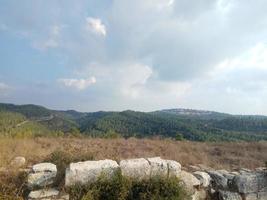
<point>179,137</point>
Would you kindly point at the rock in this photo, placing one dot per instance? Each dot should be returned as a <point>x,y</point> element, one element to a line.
<point>189,181</point>
<point>135,168</point>
<point>225,195</point>
<point>199,195</point>
<point>89,171</point>
<point>42,175</point>
<point>45,193</point>
<point>18,162</point>
<point>41,179</point>
<point>235,173</point>
<point>219,181</point>
<point>203,177</point>
<point>44,167</point>
<point>158,167</point>
<point>261,169</point>
<point>250,182</point>
<point>174,168</point>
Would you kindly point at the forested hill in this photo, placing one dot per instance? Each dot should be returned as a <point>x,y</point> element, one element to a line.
<point>32,120</point>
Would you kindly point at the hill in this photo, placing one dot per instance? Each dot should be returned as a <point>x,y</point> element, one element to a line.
<point>180,124</point>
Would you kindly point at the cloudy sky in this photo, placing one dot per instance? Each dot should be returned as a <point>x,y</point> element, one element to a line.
<point>143,55</point>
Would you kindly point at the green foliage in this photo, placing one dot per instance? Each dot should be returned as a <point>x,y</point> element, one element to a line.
<point>122,188</point>
<point>197,126</point>
<point>111,135</point>
<point>179,137</point>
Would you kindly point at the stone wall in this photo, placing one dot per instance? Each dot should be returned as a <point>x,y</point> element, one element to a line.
<point>201,182</point>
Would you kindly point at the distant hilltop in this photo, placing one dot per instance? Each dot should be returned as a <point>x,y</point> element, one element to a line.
<point>179,124</point>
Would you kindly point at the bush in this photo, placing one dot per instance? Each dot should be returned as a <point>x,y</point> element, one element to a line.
<point>121,188</point>
<point>179,137</point>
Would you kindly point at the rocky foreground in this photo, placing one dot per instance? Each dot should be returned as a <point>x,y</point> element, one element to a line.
<point>201,182</point>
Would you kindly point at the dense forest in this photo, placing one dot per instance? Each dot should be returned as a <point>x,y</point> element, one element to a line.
<point>179,124</point>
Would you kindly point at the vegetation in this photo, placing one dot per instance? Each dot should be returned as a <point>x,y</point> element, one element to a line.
<point>63,151</point>
<point>122,188</point>
<point>178,124</point>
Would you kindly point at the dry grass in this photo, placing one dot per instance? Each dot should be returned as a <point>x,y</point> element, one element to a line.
<point>216,155</point>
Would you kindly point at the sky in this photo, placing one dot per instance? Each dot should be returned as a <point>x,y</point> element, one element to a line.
<point>145,55</point>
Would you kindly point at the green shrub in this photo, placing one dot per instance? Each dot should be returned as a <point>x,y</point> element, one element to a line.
<point>179,137</point>
<point>121,188</point>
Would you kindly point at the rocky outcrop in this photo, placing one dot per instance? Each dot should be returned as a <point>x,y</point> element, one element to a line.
<point>89,171</point>
<point>189,181</point>
<point>243,185</point>
<point>204,184</point>
<point>203,177</point>
<point>42,175</point>
<point>174,168</point>
<point>135,168</point>
<point>158,167</point>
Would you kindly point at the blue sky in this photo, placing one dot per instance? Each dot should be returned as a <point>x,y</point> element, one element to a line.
<point>143,55</point>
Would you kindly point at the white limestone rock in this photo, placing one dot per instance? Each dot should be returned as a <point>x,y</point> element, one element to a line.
<point>42,175</point>
<point>41,179</point>
<point>135,168</point>
<point>203,177</point>
<point>174,168</point>
<point>43,194</point>
<point>89,171</point>
<point>18,162</point>
<point>44,167</point>
<point>199,195</point>
<point>189,181</point>
<point>158,166</point>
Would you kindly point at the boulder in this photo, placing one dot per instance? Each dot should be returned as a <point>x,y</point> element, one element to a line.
<point>174,168</point>
<point>203,177</point>
<point>41,179</point>
<point>250,182</point>
<point>44,167</point>
<point>158,167</point>
<point>47,194</point>
<point>225,195</point>
<point>256,196</point>
<point>42,175</point>
<point>18,162</point>
<point>89,171</point>
<point>189,181</point>
<point>199,195</point>
<point>219,181</point>
<point>135,168</point>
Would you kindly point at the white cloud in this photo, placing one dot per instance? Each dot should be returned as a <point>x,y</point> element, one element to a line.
<point>96,26</point>
<point>52,41</point>
<point>79,84</point>
<point>4,86</point>
<point>4,89</point>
